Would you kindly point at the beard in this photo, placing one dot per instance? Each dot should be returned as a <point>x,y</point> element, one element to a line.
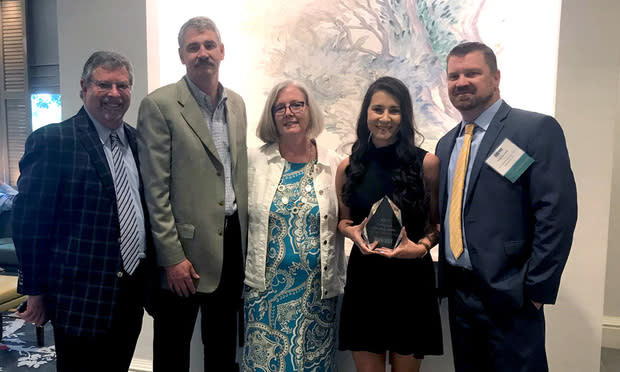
<point>471,101</point>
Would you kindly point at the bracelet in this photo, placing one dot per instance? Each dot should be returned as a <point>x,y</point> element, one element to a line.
<point>426,245</point>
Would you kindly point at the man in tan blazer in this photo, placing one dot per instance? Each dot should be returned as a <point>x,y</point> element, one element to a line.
<point>193,159</point>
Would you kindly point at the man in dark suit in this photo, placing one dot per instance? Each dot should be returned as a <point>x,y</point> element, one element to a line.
<point>79,225</point>
<point>508,212</point>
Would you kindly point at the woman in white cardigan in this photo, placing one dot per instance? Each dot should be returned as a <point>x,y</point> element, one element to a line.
<point>295,263</point>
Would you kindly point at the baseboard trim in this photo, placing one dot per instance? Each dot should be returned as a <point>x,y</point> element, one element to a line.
<point>141,365</point>
<point>611,332</point>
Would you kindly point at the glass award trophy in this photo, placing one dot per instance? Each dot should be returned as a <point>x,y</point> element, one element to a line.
<point>384,224</point>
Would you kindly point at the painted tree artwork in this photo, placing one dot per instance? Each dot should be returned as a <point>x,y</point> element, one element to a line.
<point>338,47</point>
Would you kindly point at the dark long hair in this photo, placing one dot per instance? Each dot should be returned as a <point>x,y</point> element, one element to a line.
<point>406,178</point>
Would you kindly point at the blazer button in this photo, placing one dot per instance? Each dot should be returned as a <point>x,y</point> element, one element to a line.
<point>325,217</point>
<point>219,174</point>
<point>119,240</point>
<point>320,192</point>
<point>325,268</point>
<point>119,274</point>
<point>219,232</point>
<point>221,202</point>
<point>324,242</point>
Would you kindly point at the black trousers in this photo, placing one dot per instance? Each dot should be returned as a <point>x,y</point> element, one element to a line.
<point>175,316</point>
<point>493,340</point>
<point>112,351</point>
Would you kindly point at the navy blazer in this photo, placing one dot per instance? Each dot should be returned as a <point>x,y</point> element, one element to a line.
<point>518,234</point>
<point>65,225</point>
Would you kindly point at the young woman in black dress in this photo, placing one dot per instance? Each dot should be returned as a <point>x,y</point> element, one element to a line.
<point>390,308</point>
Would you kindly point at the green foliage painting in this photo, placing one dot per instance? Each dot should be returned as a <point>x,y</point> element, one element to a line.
<point>338,47</point>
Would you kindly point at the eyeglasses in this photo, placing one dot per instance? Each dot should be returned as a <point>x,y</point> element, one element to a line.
<point>296,107</point>
<point>107,86</point>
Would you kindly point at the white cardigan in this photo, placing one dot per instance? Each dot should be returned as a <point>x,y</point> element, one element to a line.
<point>265,167</point>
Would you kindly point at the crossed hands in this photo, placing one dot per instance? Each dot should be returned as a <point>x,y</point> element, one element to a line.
<point>406,248</point>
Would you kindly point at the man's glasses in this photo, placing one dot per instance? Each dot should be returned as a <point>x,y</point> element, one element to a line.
<point>107,86</point>
<point>296,107</point>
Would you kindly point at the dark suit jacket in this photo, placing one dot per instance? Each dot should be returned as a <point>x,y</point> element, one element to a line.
<point>65,225</point>
<point>518,234</point>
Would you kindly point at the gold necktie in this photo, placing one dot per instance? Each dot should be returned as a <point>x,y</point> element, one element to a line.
<point>456,199</point>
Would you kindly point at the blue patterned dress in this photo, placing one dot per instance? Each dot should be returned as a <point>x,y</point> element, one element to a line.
<point>288,326</point>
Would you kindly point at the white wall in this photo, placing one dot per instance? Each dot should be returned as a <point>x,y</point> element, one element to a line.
<point>87,26</point>
<point>611,329</point>
<point>586,105</point>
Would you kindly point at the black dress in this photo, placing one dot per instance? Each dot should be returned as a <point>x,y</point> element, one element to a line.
<point>389,304</point>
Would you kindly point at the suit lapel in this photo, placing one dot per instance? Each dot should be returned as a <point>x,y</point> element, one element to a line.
<point>131,139</point>
<point>232,116</point>
<point>194,117</point>
<point>130,134</point>
<point>444,151</point>
<point>488,143</point>
<point>89,138</point>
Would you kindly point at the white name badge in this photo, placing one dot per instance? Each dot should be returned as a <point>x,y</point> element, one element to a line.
<point>509,160</point>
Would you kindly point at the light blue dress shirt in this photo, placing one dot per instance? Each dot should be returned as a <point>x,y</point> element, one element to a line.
<point>130,168</point>
<point>482,124</point>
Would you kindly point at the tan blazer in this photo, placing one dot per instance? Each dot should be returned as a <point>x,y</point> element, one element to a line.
<point>184,179</point>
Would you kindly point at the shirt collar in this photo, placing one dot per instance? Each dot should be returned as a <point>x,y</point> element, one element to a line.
<point>484,120</point>
<point>104,132</point>
<point>203,98</point>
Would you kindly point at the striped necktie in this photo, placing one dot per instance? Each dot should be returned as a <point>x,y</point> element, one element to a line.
<point>130,248</point>
<point>456,198</point>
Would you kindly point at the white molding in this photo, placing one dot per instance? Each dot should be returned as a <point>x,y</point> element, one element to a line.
<point>141,365</point>
<point>611,332</point>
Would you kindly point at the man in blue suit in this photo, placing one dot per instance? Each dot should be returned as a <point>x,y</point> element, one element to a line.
<point>79,225</point>
<point>508,211</point>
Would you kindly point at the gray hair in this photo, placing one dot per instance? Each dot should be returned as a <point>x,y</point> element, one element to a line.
<point>107,60</point>
<point>267,130</point>
<point>200,24</point>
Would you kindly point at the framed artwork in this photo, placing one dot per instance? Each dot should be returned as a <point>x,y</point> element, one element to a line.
<point>339,47</point>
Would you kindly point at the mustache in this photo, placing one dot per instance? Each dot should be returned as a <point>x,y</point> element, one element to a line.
<point>465,89</point>
<point>204,61</point>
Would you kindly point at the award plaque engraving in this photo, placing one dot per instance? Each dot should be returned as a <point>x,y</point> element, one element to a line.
<point>384,224</point>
